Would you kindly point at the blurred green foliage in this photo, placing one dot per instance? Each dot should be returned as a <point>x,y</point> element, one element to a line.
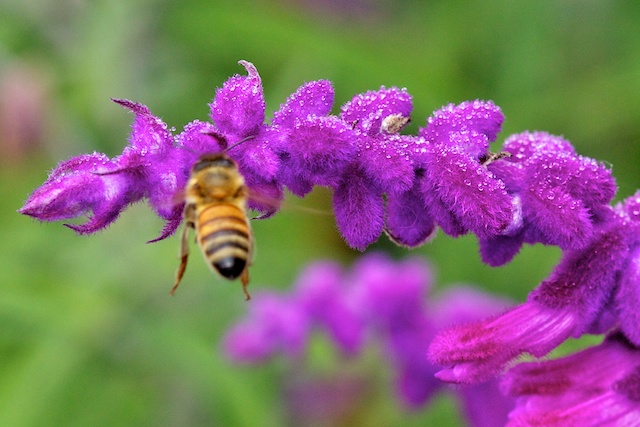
<point>89,335</point>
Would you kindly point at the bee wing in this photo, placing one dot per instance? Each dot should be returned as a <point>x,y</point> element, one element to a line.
<point>265,204</point>
<point>178,197</point>
<point>268,206</point>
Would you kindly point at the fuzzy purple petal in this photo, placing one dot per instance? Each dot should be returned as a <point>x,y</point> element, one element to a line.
<point>510,171</point>
<point>442,216</point>
<point>525,145</point>
<point>562,219</point>
<point>631,208</point>
<point>311,99</point>
<point>628,299</point>
<point>161,169</point>
<point>149,134</point>
<point>198,138</point>
<point>481,117</point>
<point>83,185</point>
<point>409,223</point>
<point>591,182</point>
<point>256,155</point>
<point>386,161</point>
<point>470,192</point>
<point>366,112</point>
<point>317,150</point>
<point>359,210</point>
<point>558,218</point>
<point>238,108</point>
<point>476,351</point>
<point>584,280</point>
<point>499,250</point>
<point>294,183</point>
<point>596,387</point>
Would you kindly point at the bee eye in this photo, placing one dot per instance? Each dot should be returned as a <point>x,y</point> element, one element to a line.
<point>206,162</point>
<point>224,162</point>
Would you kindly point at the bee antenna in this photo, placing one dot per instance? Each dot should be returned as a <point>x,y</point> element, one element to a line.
<point>245,139</point>
<point>182,147</point>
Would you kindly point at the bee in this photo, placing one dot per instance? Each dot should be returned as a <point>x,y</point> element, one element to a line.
<point>216,208</point>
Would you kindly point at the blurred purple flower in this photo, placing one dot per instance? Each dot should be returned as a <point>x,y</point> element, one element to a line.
<point>318,301</point>
<point>379,299</point>
<point>274,324</point>
<point>599,386</point>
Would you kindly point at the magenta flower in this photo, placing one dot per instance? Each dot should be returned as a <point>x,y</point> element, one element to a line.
<point>592,290</point>
<point>599,386</point>
<point>315,148</point>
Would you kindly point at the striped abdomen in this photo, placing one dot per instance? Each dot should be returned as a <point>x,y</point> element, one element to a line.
<point>224,235</point>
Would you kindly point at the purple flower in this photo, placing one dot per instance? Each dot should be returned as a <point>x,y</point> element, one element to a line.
<point>238,113</point>
<point>314,147</point>
<point>391,300</point>
<point>382,180</point>
<point>359,154</point>
<point>320,293</point>
<point>458,190</point>
<point>149,167</point>
<point>476,351</point>
<point>155,167</point>
<point>599,386</point>
<point>382,164</point>
<point>561,195</point>
<point>380,299</point>
<point>592,290</point>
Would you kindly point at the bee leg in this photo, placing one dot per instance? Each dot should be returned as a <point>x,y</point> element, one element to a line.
<point>244,278</point>
<point>184,255</point>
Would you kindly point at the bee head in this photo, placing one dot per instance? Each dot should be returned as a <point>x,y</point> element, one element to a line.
<point>213,160</point>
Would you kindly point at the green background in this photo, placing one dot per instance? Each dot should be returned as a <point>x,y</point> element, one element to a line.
<point>88,332</point>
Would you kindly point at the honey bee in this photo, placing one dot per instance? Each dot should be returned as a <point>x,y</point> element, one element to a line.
<point>216,207</point>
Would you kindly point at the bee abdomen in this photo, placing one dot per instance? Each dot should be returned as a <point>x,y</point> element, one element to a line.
<point>224,237</point>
